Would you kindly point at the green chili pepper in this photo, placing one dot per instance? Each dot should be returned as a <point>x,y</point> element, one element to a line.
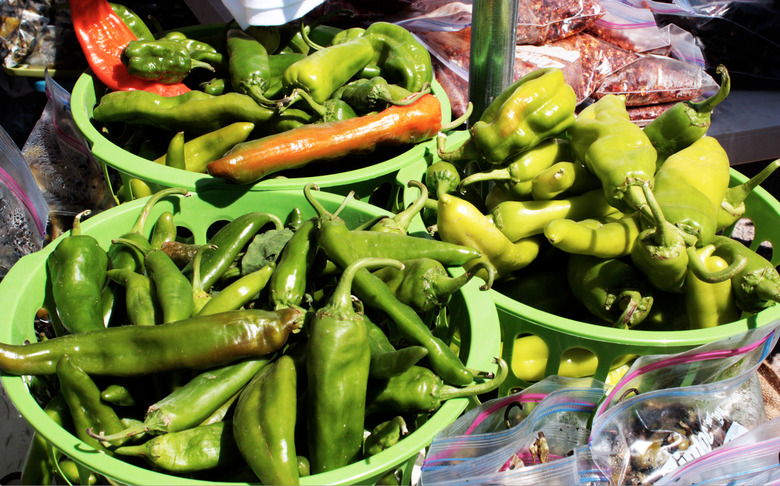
<point>192,111</point>
<point>733,205</point>
<point>385,435</point>
<point>375,94</point>
<point>87,410</point>
<point>199,448</point>
<point>77,270</point>
<point>709,304</point>
<point>685,122</point>
<point>563,179</point>
<point>401,58</point>
<point>164,230</point>
<point>240,292</point>
<point>288,282</point>
<point>613,236</point>
<point>347,35</point>
<point>538,106</point>
<point>519,170</point>
<point>264,423</point>
<point>381,244</point>
<point>385,364</point>
<point>615,149</point>
<point>424,284</point>
<point>215,86</point>
<point>441,177</point>
<point>174,156</point>
<point>117,394</point>
<point>198,342</point>
<point>611,289</point>
<point>321,73</point>
<point>337,366</point>
<point>374,293</point>
<point>73,472</point>
<point>198,50</point>
<point>459,222</point>
<point>163,61</point>
<point>521,219</point>
<point>143,307</point>
<point>421,390</point>
<point>401,221</point>
<point>133,22</point>
<point>250,70</point>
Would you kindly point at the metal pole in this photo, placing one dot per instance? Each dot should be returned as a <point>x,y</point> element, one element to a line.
<point>492,56</point>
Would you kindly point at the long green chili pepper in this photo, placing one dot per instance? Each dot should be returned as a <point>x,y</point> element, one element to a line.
<point>250,69</point>
<point>337,367</point>
<point>686,121</point>
<point>733,205</point>
<point>614,291</point>
<point>77,268</point>
<point>199,448</point>
<point>198,342</point>
<point>420,390</point>
<point>87,411</point>
<point>386,360</point>
<point>610,237</point>
<point>174,289</point>
<point>240,292</point>
<point>264,423</point>
<point>288,283</point>
<point>206,148</point>
<point>400,57</point>
<point>374,293</point>
<point>385,435</point>
<point>709,304</point>
<point>563,179</point>
<point>381,244</point>
<point>616,150</point>
<point>133,22</point>
<point>143,307</point>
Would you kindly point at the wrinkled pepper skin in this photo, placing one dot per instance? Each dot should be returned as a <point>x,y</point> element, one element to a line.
<point>264,423</point>
<point>198,50</point>
<point>249,65</point>
<point>615,149</point>
<point>538,106</point>
<point>77,268</point>
<point>709,304</point>
<point>163,61</point>
<point>399,55</point>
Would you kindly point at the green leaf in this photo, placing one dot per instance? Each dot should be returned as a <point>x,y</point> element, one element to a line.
<point>264,249</point>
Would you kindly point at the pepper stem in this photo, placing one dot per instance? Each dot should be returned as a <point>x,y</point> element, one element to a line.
<point>388,98</point>
<point>736,195</point>
<point>736,264</point>
<point>632,314</point>
<point>305,29</point>
<point>140,222</point>
<point>706,106</point>
<point>447,392</point>
<point>76,228</point>
<point>466,151</point>
<point>256,93</point>
<point>194,63</point>
<point>199,296</point>
<point>342,294</point>
<point>666,234</point>
<point>500,175</point>
<point>403,219</point>
<point>767,290</point>
<point>137,429</point>
<point>460,120</point>
<point>299,94</point>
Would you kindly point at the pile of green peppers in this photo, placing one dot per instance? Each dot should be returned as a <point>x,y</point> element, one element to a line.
<point>277,349</point>
<point>254,82</point>
<point>631,220</point>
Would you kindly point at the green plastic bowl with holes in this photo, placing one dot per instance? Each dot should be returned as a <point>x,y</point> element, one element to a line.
<point>607,348</point>
<point>377,169</point>
<point>24,291</point>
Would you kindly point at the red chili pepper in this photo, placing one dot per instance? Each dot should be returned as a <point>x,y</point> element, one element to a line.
<point>103,36</point>
<point>250,161</point>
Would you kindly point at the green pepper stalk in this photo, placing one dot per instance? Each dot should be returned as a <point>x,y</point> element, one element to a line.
<point>538,106</point>
<point>77,268</point>
<point>401,221</point>
<point>250,69</point>
<point>424,283</point>
<point>685,122</point>
<point>337,364</point>
<point>615,149</point>
<point>240,292</point>
<point>143,307</point>
<point>757,285</point>
<point>420,390</point>
<point>198,342</point>
<point>195,401</point>
<point>199,448</point>
<point>614,291</point>
<point>385,435</point>
<point>264,423</point>
<point>87,411</point>
<point>563,179</point>
<point>518,172</point>
<point>613,236</point>
<point>163,61</point>
<point>709,304</point>
<point>733,205</point>
<point>375,294</point>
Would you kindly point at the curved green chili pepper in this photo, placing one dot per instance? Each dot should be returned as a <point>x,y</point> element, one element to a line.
<point>401,58</point>
<point>164,230</point>
<point>264,423</point>
<point>685,122</point>
<point>174,156</point>
<point>240,292</point>
<point>337,364</point>
<point>374,293</point>
<point>385,435</point>
<point>250,69</point>
<point>163,61</point>
<point>521,219</point>
<point>609,237</point>
<point>198,342</point>
<point>215,86</point>
<point>615,149</point>
<point>382,244</point>
<point>386,360</point>
<point>287,286</point>
<point>538,106</point>
<point>117,394</point>
<point>208,147</point>
<point>141,299</point>
<point>199,448</point>
<point>709,304</point>
<point>133,22</point>
<point>77,269</point>
<point>421,390</point>
<point>563,179</point>
<point>733,205</point>
<point>611,289</point>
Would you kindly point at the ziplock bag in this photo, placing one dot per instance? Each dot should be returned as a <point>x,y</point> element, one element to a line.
<point>670,409</point>
<point>747,459</point>
<point>24,212</point>
<point>629,27</point>
<point>63,167</point>
<point>555,427</point>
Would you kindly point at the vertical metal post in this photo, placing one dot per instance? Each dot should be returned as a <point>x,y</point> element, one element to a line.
<point>492,56</point>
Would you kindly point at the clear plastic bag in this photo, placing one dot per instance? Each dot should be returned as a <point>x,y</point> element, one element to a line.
<point>24,211</point>
<point>629,27</point>
<point>671,409</point>
<point>555,426</point>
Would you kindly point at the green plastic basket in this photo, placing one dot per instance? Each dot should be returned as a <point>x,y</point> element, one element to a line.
<point>24,291</point>
<point>364,180</point>
<point>615,345</point>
